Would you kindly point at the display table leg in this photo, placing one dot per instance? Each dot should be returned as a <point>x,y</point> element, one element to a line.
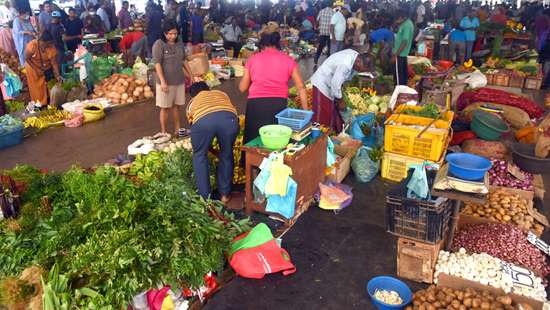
<point>454,222</point>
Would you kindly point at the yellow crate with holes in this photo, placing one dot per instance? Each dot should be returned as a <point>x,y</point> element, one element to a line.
<point>395,166</point>
<point>402,134</point>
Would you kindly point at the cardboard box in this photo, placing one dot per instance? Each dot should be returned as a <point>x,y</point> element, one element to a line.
<point>345,148</point>
<point>461,284</point>
<point>416,260</point>
<point>527,195</point>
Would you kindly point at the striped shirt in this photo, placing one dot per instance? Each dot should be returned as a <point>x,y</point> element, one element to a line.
<point>206,102</point>
<point>324,19</point>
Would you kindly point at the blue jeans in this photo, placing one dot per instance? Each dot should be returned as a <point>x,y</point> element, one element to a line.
<point>224,126</point>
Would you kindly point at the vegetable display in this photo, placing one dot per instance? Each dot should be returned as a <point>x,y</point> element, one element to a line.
<point>122,89</point>
<point>507,208</point>
<point>429,110</point>
<point>105,238</point>
<point>506,242</point>
<point>47,118</point>
<point>484,269</point>
<point>499,175</point>
<point>363,101</point>
<point>501,97</point>
<point>9,124</point>
<point>435,297</point>
<point>15,106</point>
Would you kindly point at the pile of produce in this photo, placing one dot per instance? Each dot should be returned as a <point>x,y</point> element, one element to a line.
<point>46,118</point>
<point>525,68</point>
<point>9,124</point>
<point>490,95</point>
<point>507,208</point>
<point>294,100</point>
<point>122,89</point>
<point>499,175</point>
<point>484,269</point>
<point>503,241</point>
<point>435,297</point>
<point>429,110</point>
<point>15,106</point>
<point>363,101</point>
<point>105,238</point>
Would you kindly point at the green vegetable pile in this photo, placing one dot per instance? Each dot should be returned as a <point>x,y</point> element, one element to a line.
<point>9,123</point>
<point>430,110</point>
<point>101,237</point>
<point>15,106</point>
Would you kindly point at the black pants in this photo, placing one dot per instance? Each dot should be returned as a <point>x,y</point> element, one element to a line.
<point>197,37</point>
<point>261,112</point>
<point>235,46</point>
<point>224,126</point>
<point>323,41</point>
<point>401,71</point>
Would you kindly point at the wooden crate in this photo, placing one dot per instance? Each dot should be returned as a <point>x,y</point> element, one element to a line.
<point>533,82</point>
<point>517,81</point>
<point>490,78</point>
<point>416,260</point>
<point>502,79</point>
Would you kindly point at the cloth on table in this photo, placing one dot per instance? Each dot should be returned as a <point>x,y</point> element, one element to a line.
<point>325,111</point>
<point>279,175</point>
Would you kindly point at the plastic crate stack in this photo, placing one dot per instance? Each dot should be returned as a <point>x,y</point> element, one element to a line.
<point>412,140</point>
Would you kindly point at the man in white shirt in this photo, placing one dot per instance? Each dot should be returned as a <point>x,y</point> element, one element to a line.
<point>338,29</point>
<point>327,84</point>
<point>6,13</point>
<point>102,13</point>
<point>420,13</point>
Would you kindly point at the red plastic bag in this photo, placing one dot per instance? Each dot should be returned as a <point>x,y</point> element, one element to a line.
<point>258,261</point>
<point>459,137</point>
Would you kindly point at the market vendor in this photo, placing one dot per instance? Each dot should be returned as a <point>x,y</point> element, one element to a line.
<point>211,114</point>
<point>171,68</point>
<point>93,23</point>
<point>266,78</point>
<point>73,30</point>
<point>40,57</point>
<point>232,33</point>
<point>402,47</point>
<point>133,44</point>
<point>306,30</point>
<point>470,24</point>
<point>56,29</point>
<point>327,84</point>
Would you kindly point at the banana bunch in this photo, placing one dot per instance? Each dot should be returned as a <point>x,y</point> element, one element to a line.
<point>46,118</point>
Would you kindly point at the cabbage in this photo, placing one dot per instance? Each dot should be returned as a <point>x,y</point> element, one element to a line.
<point>373,108</point>
<point>383,107</point>
<point>375,100</point>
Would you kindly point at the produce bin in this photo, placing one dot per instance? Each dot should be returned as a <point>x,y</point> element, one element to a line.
<point>401,135</point>
<point>11,138</point>
<point>533,82</point>
<point>294,118</point>
<point>421,220</point>
<point>395,166</point>
<point>416,260</point>
<point>490,78</point>
<point>517,81</point>
<point>502,79</point>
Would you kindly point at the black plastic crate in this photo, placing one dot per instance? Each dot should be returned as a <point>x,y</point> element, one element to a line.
<point>422,220</point>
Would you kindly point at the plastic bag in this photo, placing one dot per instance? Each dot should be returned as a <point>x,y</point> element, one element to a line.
<point>474,80</point>
<point>362,123</point>
<point>283,205</point>
<point>334,196</point>
<point>102,68</point>
<point>331,157</point>
<point>418,184</point>
<point>363,167</point>
<point>58,95</point>
<point>140,70</point>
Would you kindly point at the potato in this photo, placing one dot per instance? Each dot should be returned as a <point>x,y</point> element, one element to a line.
<point>476,303</point>
<point>485,305</point>
<point>505,300</point>
<point>467,301</point>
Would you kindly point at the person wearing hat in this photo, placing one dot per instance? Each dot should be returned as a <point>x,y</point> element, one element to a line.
<point>73,30</point>
<point>57,31</point>
<point>40,57</point>
<point>231,33</point>
<point>327,84</point>
<point>266,78</point>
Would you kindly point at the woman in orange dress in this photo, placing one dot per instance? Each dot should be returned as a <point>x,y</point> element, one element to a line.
<point>39,58</point>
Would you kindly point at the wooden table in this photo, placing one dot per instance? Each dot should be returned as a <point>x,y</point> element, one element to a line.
<point>457,198</point>
<point>308,170</point>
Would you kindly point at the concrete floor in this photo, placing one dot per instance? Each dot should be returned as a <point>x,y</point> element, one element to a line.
<point>335,255</point>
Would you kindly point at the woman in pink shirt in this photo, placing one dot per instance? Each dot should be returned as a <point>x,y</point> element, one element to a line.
<point>266,78</point>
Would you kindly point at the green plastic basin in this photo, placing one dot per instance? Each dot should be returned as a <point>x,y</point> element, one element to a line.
<point>275,137</point>
<point>488,126</point>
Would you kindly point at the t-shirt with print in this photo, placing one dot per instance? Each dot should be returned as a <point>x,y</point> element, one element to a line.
<point>270,70</point>
<point>339,22</point>
<point>171,57</point>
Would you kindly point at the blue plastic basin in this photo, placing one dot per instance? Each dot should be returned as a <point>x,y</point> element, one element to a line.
<point>389,284</point>
<point>468,166</point>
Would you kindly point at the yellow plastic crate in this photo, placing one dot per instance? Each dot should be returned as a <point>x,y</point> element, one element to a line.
<point>395,166</point>
<point>401,135</point>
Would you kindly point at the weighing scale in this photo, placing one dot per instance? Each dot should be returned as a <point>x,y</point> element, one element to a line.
<point>444,180</point>
<point>302,134</point>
